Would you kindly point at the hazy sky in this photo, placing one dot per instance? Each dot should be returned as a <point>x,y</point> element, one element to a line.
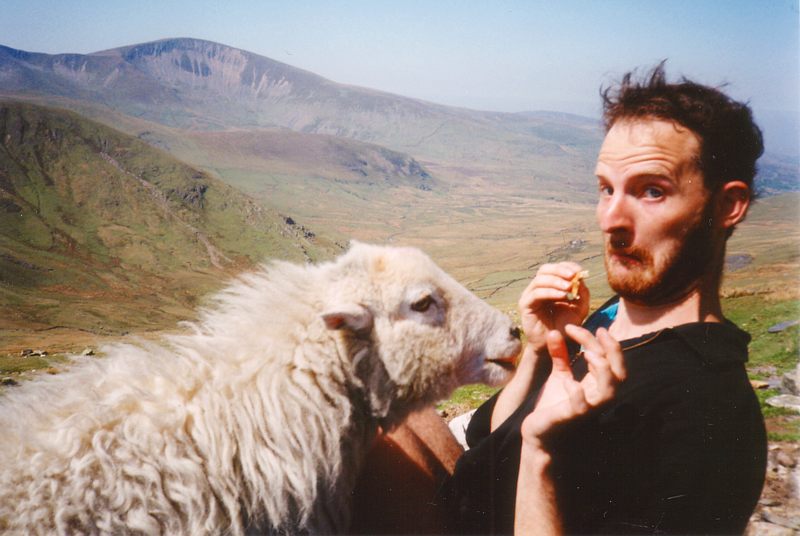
<point>489,55</point>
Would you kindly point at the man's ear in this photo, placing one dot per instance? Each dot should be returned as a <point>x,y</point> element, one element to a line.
<point>734,200</point>
<point>352,316</point>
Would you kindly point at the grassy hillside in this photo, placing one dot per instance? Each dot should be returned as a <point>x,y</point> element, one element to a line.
<point>102,234</point>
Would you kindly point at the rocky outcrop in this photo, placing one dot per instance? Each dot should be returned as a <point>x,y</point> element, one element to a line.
<point>790,395</point>
<point>778,511</point>
<point>215,256</point>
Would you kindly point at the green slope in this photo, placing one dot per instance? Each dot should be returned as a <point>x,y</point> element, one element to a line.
<point>101,233</point>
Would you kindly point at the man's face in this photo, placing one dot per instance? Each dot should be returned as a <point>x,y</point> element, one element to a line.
<point>653,210</point>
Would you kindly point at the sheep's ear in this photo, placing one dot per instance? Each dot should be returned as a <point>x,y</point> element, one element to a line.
<point>353,317</point>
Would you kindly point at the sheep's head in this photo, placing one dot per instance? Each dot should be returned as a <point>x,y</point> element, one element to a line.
<point>416,334</point>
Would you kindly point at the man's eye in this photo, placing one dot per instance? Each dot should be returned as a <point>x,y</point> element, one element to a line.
<point>653,192</point>
<point>606,190</point>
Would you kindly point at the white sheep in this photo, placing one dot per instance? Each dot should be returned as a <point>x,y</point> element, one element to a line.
<point>260,416</point>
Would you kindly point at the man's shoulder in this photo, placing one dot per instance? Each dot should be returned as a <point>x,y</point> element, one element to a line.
<point>695,370</point>
<point>715,343</point>
<point>685,359</point>
<point>712,343</point>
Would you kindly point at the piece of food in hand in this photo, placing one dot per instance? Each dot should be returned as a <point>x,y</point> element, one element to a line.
<point>576,285</point>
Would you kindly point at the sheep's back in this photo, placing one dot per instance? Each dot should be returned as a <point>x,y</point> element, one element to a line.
<point>250,407</point>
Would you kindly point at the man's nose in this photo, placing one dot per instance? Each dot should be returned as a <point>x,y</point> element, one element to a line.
<point>613,213</point>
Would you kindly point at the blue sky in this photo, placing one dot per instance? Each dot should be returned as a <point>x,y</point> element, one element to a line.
<point>501,55</point>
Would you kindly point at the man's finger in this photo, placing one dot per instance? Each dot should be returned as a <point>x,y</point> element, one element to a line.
<point>600,368</point>
<point>557,348</point>
<point>552,281</point>
<point>577,398</point>
<point>585,338</point>
<point>601,382</point>
<point>545,296</point>
<point>544,288</point>
<point>613,353</point>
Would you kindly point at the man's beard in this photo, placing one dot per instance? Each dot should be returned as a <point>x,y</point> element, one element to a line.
<point>676,276</point>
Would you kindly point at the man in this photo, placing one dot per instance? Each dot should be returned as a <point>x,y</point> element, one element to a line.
<point>681,447</point>
<point>661,431</point>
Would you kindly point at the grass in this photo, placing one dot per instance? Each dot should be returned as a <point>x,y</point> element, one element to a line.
<point>14,365</point>
<point>771,411</point>
<point>782,424</point>
<point>770,353</point>
<point>17,365</point>
<point>787,437</point>
<point>80,237</point>
<point>465,399</point>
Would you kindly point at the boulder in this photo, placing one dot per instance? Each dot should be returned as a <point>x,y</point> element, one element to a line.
<point>791,381</point>
<point>785,401</point>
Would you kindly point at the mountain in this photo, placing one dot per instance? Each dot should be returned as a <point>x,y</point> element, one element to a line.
<point>200,85</point>
<point>103,233</point>
<point>777,174</point>
<point>204,86</point>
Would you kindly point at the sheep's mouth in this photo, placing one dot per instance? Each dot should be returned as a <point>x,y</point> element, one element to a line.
<point>507,363</point>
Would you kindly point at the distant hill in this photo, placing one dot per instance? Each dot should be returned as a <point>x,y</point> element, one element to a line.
<point>777,174</point>
<point>285,151</point>
<point>101,232</point>
<point>200,85</point>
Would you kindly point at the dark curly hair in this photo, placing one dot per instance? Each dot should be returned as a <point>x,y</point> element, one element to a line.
<point>730,141</point>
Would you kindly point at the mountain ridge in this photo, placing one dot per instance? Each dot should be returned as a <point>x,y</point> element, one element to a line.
<point>196,84</point>
<point>172,81</point>
<point>88,212</point>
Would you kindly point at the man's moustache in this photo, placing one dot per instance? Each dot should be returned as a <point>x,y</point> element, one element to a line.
<point>621,247</point>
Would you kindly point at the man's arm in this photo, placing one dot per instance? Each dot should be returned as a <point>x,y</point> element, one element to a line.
<point>397,488</point>
<point>562,399</point>
<point>537,510</point>
<point>517,389</point>
<point>543,306</point>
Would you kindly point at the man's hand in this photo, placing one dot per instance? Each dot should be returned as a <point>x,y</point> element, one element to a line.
<point>562,397</point>
<point>543,305</point>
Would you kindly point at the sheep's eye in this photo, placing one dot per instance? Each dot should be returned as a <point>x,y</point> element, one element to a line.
<point>422,304</point>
